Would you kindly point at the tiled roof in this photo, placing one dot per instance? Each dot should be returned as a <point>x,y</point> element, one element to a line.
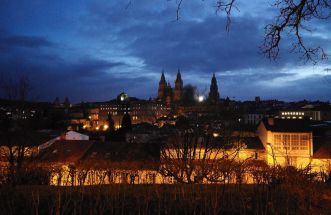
<point>228,142</point>
<point>66,151</point>
<point>286,125</point>
<point>121,155</point>
<point>122,151</point>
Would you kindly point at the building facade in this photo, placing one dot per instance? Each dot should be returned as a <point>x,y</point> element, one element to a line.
<point>139,110</point>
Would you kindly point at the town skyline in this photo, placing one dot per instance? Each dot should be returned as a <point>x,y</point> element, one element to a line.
<point>165,107</point>
<point>199,91</point>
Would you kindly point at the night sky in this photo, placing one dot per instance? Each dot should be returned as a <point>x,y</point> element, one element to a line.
<point>93,50</point>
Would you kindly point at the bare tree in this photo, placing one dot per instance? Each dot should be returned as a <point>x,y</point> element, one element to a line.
<point>15,131</point>
<point>290,20</point>
<point>182,156</point>
<point>195,156</point>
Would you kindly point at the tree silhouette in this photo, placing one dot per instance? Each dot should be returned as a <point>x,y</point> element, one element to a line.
<point>291,18</point>
<point>111,123</point>
<point>126,122</point>
<point>16,133</point>
<point>188,96</point>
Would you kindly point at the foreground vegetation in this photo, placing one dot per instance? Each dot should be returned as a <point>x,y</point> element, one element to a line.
<point>167,199</point>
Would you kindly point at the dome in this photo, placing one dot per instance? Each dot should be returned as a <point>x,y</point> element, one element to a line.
<point>123,97</point>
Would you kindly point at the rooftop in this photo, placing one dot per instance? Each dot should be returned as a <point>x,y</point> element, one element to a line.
<point>286,125</point>
<point>66,151</point>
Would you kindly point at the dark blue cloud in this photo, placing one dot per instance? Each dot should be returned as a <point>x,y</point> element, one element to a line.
<point>14,41</point>
<point>94,50</point>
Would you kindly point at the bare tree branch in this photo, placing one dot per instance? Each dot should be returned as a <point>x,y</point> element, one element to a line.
<point>290,20</point>
<point>292,15</point>
<point>226,6</point>
<point>179,3</point>
<point>221,6</point>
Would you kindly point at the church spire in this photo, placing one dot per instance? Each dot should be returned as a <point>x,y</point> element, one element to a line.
<point>162,79</point>
<point>179,78</point>
<point>213,96</point>
<point>162,87</point>
<point>178,86</point>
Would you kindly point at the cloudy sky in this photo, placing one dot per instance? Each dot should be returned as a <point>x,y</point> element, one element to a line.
<point>93,50</point>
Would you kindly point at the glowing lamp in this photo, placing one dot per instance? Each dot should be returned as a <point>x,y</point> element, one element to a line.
<point>201,98</point>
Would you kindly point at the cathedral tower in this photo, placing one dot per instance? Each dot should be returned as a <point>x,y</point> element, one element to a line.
<point>213,96</point>
<point>162,87</point>
<point>169,95</point>
<point>178,87</point>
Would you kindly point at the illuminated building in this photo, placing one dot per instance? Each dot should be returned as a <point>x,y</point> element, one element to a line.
<point>279,143</point>
<point>287,142</point>
<point>312,113</point>
<point>139,110</point>
<point>166,93</point>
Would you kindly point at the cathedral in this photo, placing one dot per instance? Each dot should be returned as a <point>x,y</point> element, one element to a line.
<point>169,95</point>
<point>213,96</point>
<point>166,93</point>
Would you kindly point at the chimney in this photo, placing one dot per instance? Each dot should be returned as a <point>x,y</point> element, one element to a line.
<point>271,121</point>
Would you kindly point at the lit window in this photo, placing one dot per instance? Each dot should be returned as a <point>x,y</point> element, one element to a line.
<point>294,142</point>
<point>277,141</point>
<point>303,142</point>
<point>286,141</point>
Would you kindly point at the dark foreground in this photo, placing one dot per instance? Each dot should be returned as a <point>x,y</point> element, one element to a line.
<point>167,199</point>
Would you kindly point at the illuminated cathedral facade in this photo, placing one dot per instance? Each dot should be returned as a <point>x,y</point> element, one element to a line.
<point>170,95</point>
<point>166,93</point>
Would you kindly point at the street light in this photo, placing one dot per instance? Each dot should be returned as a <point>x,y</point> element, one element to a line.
<point>201,98</point>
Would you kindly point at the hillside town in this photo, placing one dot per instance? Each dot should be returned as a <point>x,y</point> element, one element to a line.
<point>180,136</point>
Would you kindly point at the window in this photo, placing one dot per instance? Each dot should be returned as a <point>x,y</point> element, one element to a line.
<point>303,142</point>
<point>277,141</point>
<point>286,141</point>
<point>295,142</point>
